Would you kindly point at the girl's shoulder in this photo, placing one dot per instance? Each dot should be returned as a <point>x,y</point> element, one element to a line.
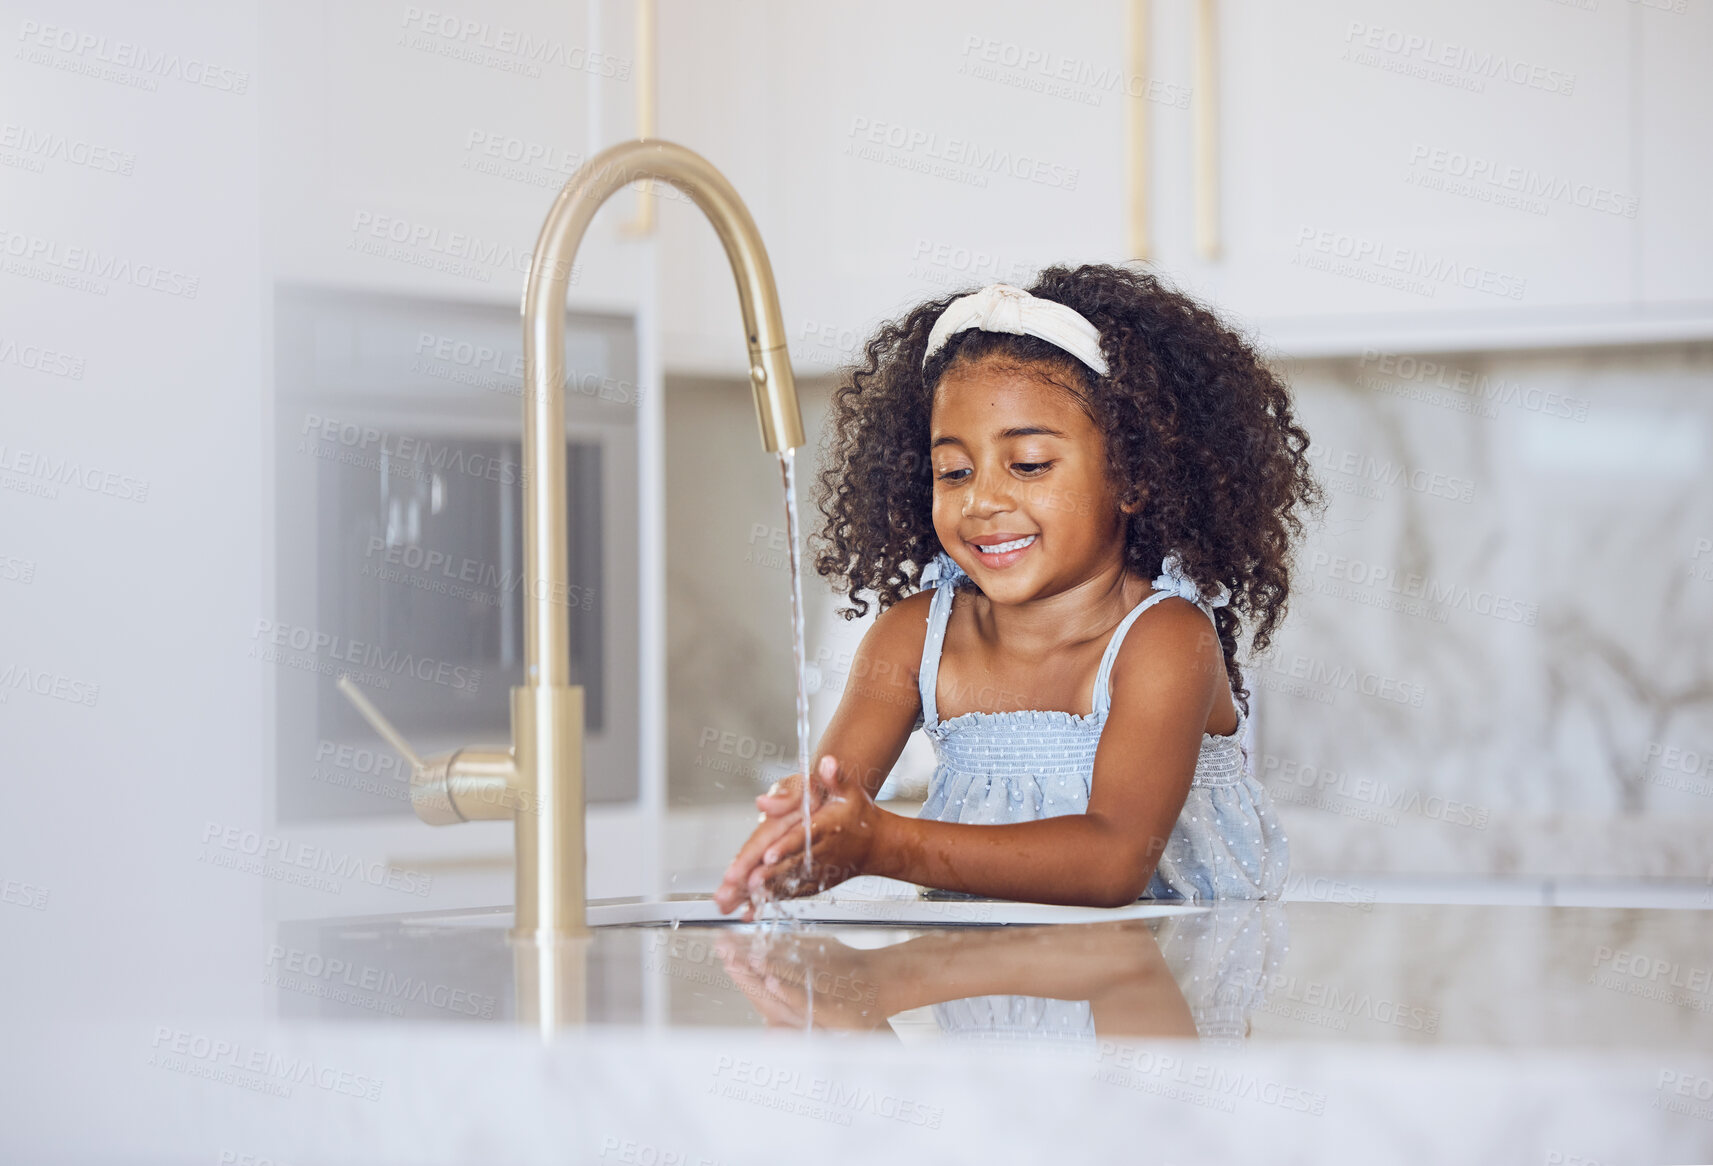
<point>899,633</point>
<point>1169,641</point>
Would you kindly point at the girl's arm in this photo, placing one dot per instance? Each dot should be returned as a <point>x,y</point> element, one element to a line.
<point>875,717</point>
<point>1117,967</point>
<point>881,700</point>
<point>1162,685</point>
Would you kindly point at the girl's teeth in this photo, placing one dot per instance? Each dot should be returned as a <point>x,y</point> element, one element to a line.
<point>1001,548</point>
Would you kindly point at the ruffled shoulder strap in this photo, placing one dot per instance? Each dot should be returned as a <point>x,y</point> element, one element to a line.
<point>942,571</point>
<point>1171,581</point>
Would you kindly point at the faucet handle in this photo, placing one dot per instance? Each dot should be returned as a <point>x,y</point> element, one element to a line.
<point>379,723</point>
<point>477,781</point>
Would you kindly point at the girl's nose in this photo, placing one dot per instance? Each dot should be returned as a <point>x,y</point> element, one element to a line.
<point>988,494</point>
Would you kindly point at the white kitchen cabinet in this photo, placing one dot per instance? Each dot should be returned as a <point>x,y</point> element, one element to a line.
<point>417,148</point>
<point>882,165</point>
<point>1398,173</point>
<point>1674,148</point>
<point>1404,158</point>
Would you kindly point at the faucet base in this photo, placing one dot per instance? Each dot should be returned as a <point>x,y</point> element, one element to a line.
<point>551,981</point>
<point>547,739</point>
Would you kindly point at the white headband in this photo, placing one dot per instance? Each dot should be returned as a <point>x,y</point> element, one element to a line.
<point>999,307</point>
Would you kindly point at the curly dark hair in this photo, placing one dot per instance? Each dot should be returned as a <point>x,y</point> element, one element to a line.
<point>1199,433</point>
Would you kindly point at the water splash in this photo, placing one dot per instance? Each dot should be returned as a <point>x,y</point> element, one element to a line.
<point>788,478</point>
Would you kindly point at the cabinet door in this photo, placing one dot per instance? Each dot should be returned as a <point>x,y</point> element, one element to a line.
<point>1455,171</point>
<point>1674,141</point>
<point>889,152</point>
<point>1426,160</point>
<point>418,150</point>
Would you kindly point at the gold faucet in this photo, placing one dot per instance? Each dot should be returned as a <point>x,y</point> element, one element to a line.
<point>538,779</point>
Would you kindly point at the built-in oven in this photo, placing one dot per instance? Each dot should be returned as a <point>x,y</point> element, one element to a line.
<point>399,547</point>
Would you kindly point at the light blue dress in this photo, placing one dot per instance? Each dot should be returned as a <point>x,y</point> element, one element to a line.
<point>1222,960</point>
<point>1018,766</point>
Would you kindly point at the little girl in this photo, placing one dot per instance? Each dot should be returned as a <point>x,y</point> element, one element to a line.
<point>1102,483</point>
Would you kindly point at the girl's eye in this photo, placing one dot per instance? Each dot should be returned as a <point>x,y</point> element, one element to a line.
<point>1025,467</point>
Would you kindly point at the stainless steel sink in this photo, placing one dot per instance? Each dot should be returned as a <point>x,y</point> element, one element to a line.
<point>895,911</point>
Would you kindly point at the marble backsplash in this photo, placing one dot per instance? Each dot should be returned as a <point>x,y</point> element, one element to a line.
<point>1499,653</point>
<point>1499,656</point>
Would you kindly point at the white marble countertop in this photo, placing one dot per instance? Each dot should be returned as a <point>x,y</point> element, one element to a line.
<point>1269,1032</point>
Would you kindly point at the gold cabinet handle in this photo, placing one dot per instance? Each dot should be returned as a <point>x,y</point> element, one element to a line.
<point>646,54</point>
<point>1206,104</point>
<point>1136,139</point>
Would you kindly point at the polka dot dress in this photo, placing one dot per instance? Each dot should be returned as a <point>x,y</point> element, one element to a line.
<point>995,768</point>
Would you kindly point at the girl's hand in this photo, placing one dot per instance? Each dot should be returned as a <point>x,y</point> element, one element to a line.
<point>843,836</point>
<point>781,809</point>
<point>768,864</point>
<point>797,980</point>
<point>786,795</point>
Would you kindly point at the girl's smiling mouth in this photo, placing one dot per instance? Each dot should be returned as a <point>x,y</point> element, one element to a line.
<point>1000,550</point>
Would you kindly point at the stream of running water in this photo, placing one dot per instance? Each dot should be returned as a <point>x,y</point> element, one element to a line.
<point>788,476</point>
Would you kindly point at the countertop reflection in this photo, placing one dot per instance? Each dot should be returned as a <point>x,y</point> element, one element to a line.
<point>1237,973</point>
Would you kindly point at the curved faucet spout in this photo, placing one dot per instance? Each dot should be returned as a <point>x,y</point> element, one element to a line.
<point>547,709</point>
<point>546,631</point>
<point>538,779</point>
